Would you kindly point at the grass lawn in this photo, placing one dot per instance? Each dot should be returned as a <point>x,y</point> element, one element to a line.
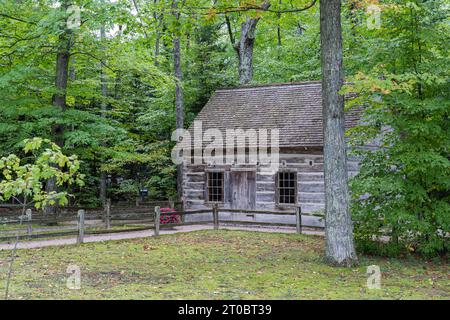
<point>215,265</point>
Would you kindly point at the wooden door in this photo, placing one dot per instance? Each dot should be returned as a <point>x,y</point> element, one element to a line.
<point>243,189</point>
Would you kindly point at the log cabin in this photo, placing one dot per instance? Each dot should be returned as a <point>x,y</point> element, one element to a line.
<point>294,110</point>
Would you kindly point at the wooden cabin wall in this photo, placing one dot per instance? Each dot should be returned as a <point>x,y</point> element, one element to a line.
<point>310,182</point>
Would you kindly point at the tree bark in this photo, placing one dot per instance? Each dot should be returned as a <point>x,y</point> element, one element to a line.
<point>245,50</point>
<point>179,108</point>
<point>62,75</point>
<point>178,77</point>
<point>339,228</point>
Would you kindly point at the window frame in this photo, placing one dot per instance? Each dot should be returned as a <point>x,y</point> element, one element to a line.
<point>277,188</point>
<point>207,179</point>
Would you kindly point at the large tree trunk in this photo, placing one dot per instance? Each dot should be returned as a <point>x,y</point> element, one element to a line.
<point>178,77</point>
<point>59,98</point>
<point>339,229</point>
<point>103,113</point>
<point>178,91</point>
<point>245,50</point>
<point>244,47</point>
<point>62,74</point>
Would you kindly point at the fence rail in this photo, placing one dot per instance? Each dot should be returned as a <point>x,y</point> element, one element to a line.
<point>116,219</point>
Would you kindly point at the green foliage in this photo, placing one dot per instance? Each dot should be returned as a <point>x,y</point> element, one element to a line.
<point>403,189</point>
<point>297,56</point>
<point>161,181</point>
<point>26,177</point>
<point>125,190</point>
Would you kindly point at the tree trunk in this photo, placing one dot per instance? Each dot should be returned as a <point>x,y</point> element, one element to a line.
<point>103,113</point>
<point>62,75</point>
<point>158,21</point>
<point>279,24</point>
<point>244,48</point>
<point>178,91</point>
<point>178,77</point>
<point>339,229</point>
<point>59,98</point>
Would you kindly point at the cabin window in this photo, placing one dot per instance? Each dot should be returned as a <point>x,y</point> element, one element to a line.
<point>287,187</point>
<point>215,187</point>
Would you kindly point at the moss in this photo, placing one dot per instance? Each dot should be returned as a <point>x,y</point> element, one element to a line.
<point>216,265</point>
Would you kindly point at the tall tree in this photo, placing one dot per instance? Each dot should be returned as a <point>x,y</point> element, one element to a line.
<point>340,248</point>
<point>104,90</point>
<point>178,73</point>
<point>158,20</point>
<point>59,98</point>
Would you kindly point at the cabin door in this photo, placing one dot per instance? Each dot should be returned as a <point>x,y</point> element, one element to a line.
<point>243,189</point>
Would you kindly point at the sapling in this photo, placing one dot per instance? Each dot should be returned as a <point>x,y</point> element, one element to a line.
<point>24,179</point>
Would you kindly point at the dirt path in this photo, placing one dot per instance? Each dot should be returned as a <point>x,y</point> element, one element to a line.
<point>143,234</point>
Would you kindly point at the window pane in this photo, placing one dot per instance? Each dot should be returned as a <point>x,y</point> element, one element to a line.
<point>215,186</point>
<point>286,187</point>
<point>292,183</point>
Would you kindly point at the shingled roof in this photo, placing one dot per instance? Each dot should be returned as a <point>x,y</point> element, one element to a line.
<point>294,108</point>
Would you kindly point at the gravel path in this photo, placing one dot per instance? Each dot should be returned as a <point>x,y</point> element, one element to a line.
<point>144,234</point>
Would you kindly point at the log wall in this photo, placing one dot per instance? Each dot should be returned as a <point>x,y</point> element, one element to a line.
<point>310,182</point>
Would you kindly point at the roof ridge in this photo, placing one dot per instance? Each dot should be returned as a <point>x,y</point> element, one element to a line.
<point>269,85</point>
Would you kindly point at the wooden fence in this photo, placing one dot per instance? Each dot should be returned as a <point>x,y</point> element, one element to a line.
<point>118,218</point>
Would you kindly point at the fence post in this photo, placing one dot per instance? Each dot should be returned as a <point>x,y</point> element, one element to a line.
<point>28,214</point>
<point>108,214</point>
<point>157,220</point>
<point>80,226</point>
<point>216,216</point>
<point>298,214</point>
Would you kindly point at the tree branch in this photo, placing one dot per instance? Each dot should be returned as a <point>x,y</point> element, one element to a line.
<point>139,17</point>
<point>15,18</point>
<point>265,7</point>
<point>94,57</point>
<point>230,31</point>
